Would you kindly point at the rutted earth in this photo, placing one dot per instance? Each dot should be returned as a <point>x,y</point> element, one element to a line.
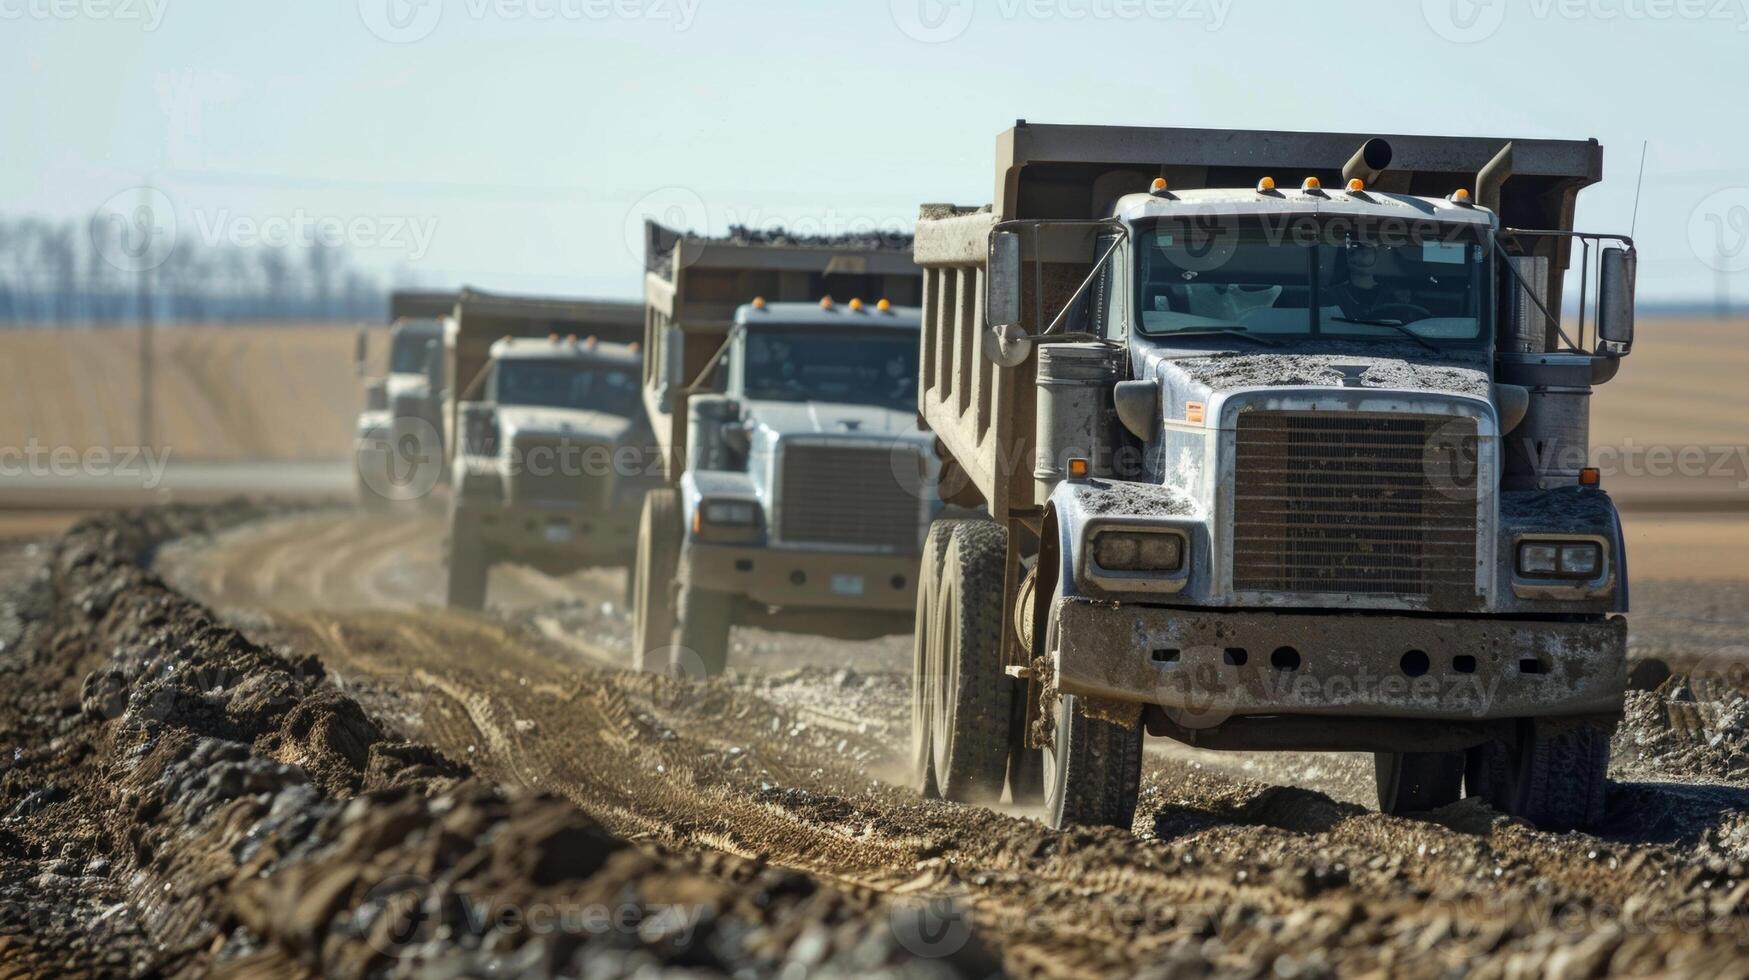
<point>376,763</point>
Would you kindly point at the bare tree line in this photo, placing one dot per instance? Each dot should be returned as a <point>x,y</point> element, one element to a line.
<point>64,272</point>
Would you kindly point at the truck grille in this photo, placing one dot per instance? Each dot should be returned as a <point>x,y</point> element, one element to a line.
<point>559,472</point>
<point>1351,502</point>
<point>848,496</point>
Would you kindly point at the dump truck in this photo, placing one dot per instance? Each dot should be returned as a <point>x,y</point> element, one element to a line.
<point>401,408</point>
<point>1283,439</point>
<point>781,382</point>
<point>551,456</point>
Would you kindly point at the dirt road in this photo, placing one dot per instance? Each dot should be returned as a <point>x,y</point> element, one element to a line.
<point>1259,864</point>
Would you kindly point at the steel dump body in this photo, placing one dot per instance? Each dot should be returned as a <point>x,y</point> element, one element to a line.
<point>984,414</point>
<point>693,286</point>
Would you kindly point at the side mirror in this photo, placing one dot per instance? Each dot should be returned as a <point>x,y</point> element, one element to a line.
<point>1138,407</point>
<point>671,369</point>
<point>737,437</point>
<point>361,352</point>
<point>434,364</point>
<point>1002,296</point>
<point>1615,301</point>
<point>1005,341</point>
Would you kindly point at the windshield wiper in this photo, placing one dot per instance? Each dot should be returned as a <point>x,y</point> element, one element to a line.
<point>1240,332</point>
<point>1393,325</point>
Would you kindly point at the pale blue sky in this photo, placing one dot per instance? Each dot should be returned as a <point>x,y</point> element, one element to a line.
<point>519,144</point>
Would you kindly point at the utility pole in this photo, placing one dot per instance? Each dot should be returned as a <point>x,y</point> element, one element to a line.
<point>144,299</point>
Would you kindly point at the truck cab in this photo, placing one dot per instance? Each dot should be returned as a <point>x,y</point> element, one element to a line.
<point>1308,468</point>
<point>552,463</point>
<point>806,493</point>
<point>403,410</point>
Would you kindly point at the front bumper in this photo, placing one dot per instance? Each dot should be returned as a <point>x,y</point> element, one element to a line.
<point>804,579</point>
<point>1206,666</point>
<point>562,534</point>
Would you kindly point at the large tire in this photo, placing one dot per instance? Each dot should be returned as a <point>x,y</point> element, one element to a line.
<point>655,572</point>
<point>1415,782</point>
<point>701,642</point>
<point>1092,769</point>
<point>922,664</point>
<point>973,701</point>
<point>469,564</point>
<point>1552,773</point>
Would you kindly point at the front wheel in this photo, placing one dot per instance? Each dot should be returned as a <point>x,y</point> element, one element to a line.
<point>701,647</point>
<point>657,565</point>
<point>1551,772</point>
<point>1415,782</point>
<point>1092,770</point>
<point>469,564</point>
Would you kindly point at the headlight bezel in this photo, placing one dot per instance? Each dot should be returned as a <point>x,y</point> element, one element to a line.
<point>728,520</point>
<point>1550,566</point>
<point>1169,580</point>
<point>729,513</point>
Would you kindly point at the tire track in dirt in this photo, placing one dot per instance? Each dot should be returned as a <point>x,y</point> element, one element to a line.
<point>1221,866</point>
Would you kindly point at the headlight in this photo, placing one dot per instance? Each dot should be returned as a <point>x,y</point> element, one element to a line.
<point>730,513</point>
<point>1560,559</point>
<point>1138,551</point>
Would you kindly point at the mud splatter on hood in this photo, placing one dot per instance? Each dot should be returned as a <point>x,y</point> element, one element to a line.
<point>1334,365</point>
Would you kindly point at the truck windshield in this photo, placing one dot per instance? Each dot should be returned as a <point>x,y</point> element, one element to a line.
<point>1332,277</point>
<point>832,366</point>
<point>567,384</point>
<point>407,353</point>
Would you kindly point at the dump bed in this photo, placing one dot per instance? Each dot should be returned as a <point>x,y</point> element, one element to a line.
<point>984,414</point>
<point>414,304</point>
<point>693,285</point>
<point>478,320</point>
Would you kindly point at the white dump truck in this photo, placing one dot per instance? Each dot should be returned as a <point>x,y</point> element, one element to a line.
<point>401,407</point>
<point>1284,446</point>
<point>799,486</point>
<point>552,446</point>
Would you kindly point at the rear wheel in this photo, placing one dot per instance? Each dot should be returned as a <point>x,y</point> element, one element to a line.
<point>701,644</point>
<point>469,564</point>
<point>969,693</point>
<point>922,665</point>
<point>658,563</point>
<point>1552,772</point>
<point>1415,782</point>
